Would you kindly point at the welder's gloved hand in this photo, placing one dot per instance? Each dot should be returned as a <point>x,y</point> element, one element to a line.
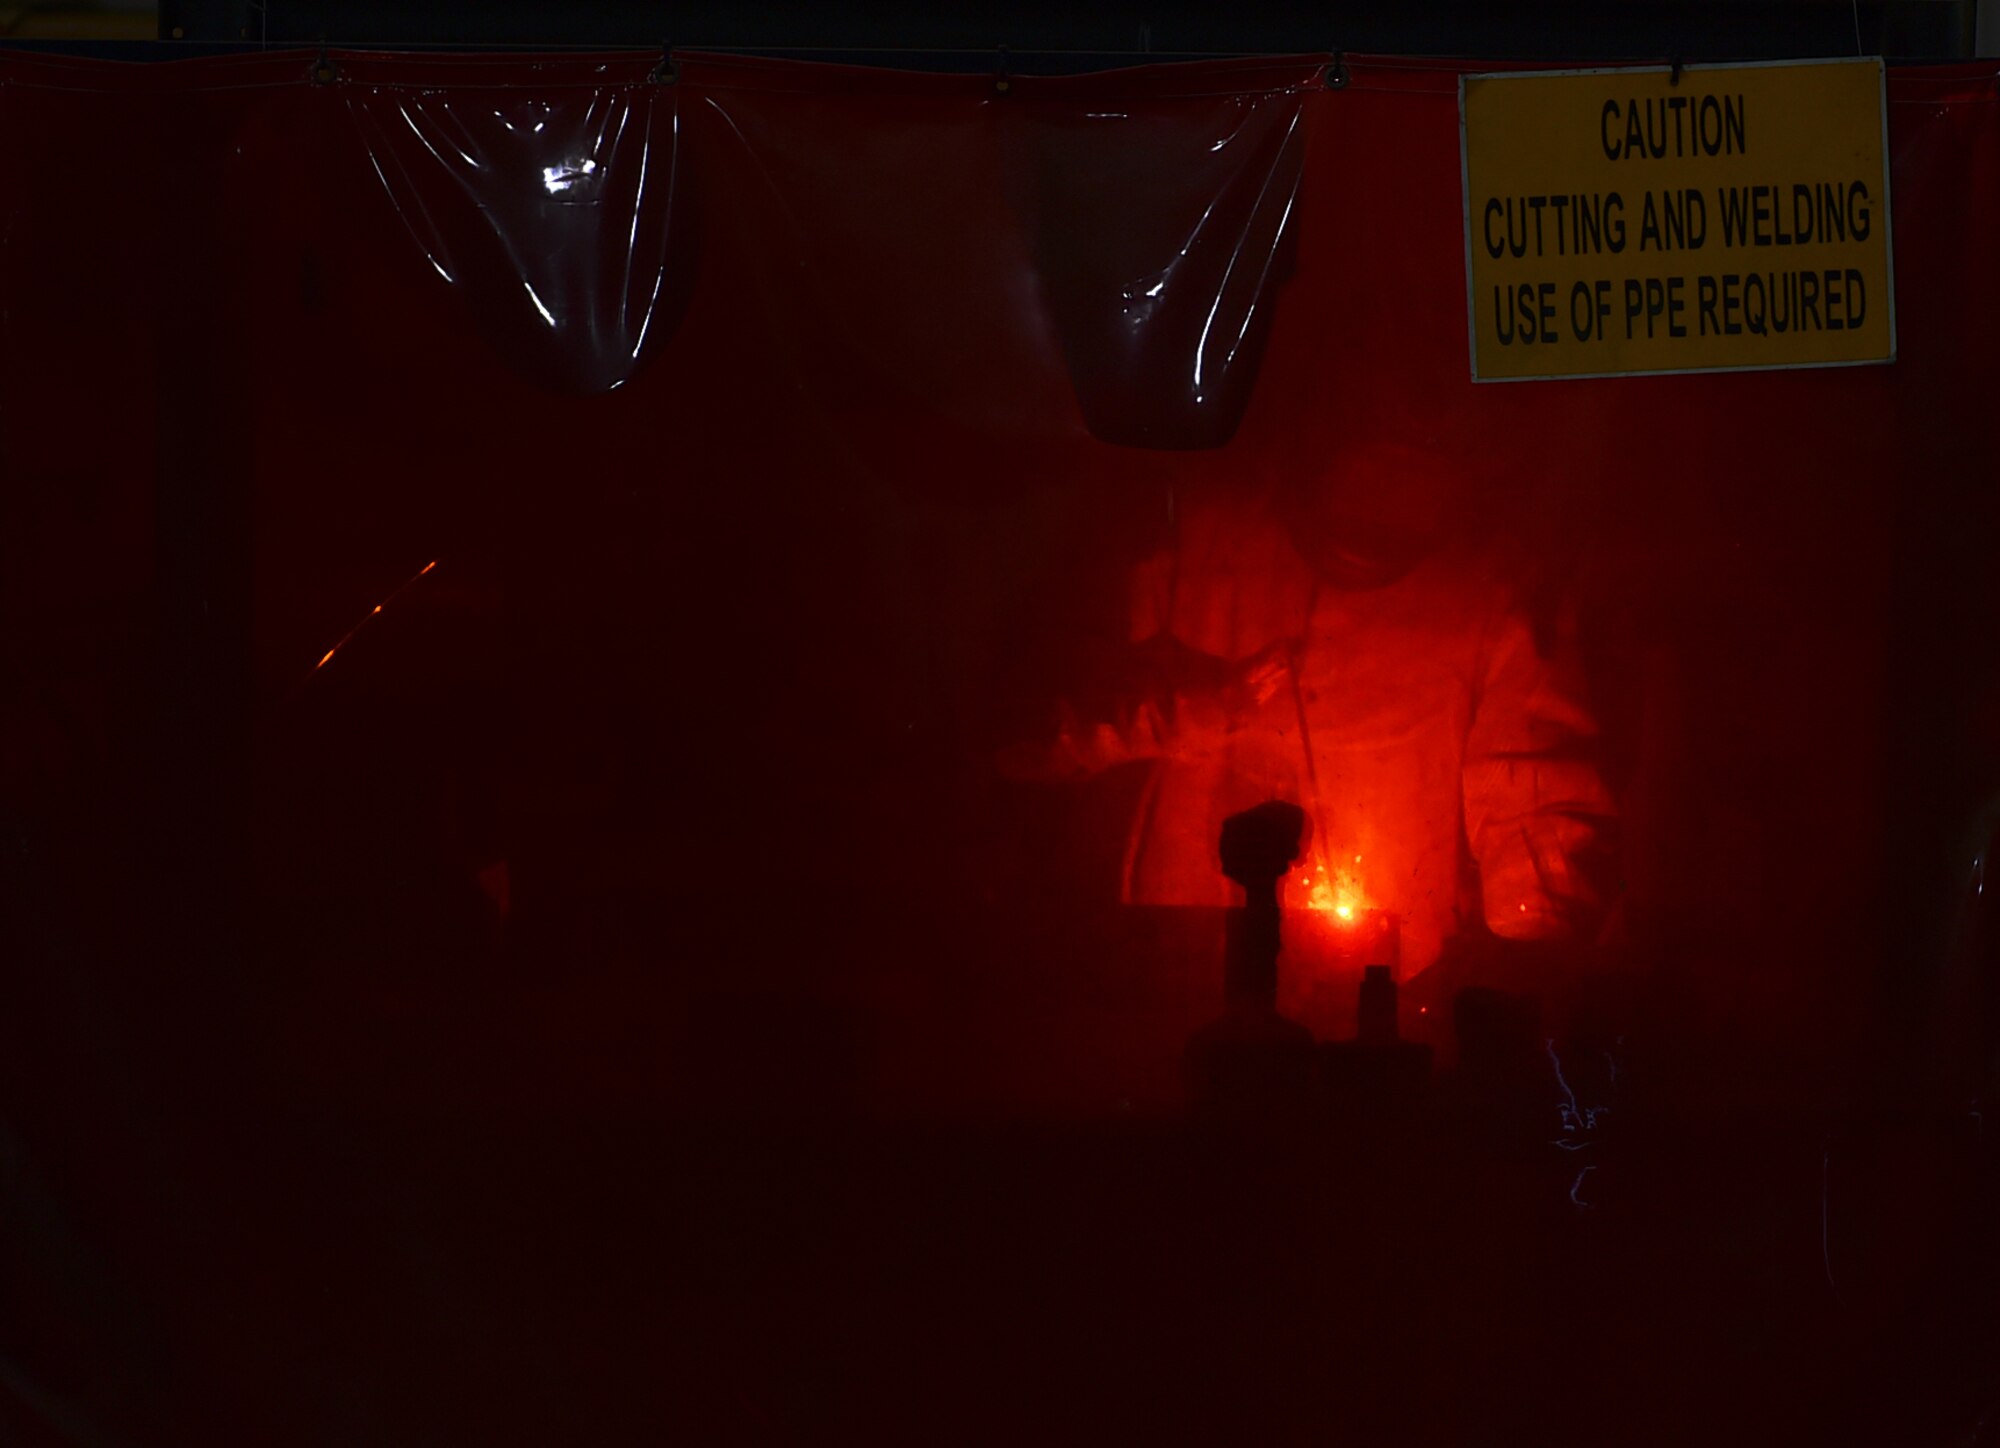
<point>1178,705</point>
<point>1200,719</point>
<point>1259,679</point>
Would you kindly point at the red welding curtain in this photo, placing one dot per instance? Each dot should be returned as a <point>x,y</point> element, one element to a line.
<point>785,438</point>
<point>742,462</point>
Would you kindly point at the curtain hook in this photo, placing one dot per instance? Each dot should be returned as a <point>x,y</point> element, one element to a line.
<point>1001,83</point>
<point>666,72</point>
<point>324,71</point>
<point>1336,72</point>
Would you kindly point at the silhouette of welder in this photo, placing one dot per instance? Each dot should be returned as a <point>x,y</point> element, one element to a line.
<point>1328,641</point>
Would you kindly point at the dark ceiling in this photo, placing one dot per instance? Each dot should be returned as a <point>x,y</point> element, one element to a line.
<point>1050,35</point>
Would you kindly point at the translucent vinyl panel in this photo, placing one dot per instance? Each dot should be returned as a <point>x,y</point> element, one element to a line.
<point>624,691</point>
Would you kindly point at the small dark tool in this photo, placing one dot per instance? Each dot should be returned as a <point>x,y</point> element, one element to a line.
<point>1258,847</point>
<point>1253,1064</point>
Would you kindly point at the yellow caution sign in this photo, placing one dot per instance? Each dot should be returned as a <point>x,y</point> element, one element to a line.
<point>1698,219</point>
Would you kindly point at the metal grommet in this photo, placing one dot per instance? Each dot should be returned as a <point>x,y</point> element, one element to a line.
<point>324,71</point>
<point>1336,73</point>
<point>666,72</point>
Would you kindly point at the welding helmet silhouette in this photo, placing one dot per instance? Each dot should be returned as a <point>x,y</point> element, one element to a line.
<point>1372,515</point>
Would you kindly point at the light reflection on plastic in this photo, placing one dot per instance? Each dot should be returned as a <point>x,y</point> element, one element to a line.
<point>561,178</point>
<point>1573,1116</point>
<point>1577,1120</point>
<point>417,131</point>
<point>659,274</point>
<point>547,316</point>
<point>436,265</point>
<point>1201,346</point>
<point>1270,253</point>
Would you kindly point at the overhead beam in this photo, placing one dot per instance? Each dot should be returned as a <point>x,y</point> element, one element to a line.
<point>1042,32</point>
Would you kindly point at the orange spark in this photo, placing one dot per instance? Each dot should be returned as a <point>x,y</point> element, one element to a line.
<point>341,642</point>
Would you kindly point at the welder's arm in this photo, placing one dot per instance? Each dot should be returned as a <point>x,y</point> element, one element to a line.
<point>1538,816</point>
<point>1163,700</point>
